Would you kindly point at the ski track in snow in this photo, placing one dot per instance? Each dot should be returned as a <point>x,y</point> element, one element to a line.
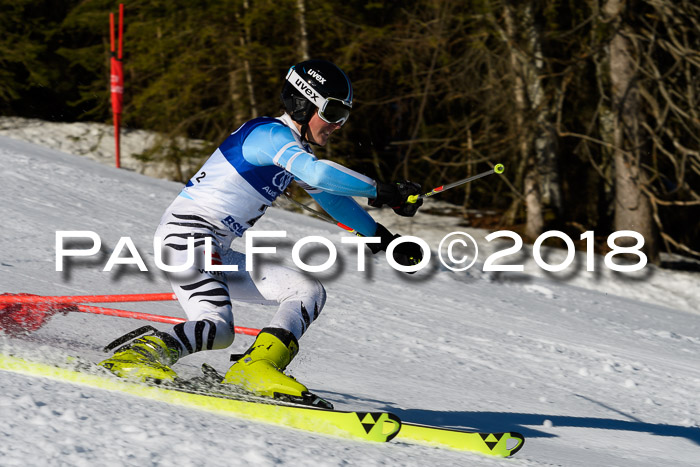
<point>593,368</point>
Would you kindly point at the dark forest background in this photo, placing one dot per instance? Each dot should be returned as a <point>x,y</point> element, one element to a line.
<point>591,105</point>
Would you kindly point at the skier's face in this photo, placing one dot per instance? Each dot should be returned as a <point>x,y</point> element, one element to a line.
<point>320,131</point>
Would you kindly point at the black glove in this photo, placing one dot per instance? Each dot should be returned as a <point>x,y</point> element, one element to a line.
<point>395,195</point>
<point>406,254</point>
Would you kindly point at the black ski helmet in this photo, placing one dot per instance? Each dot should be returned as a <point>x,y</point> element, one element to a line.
<point>318,84</point>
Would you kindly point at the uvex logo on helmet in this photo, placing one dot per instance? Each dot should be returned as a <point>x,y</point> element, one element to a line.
<point>306,89</point>
<point>318,76</point>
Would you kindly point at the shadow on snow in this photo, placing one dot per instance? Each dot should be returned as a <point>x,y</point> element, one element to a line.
<point>524,423</point>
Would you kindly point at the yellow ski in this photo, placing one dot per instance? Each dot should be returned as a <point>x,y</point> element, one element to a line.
<point>368,426</point>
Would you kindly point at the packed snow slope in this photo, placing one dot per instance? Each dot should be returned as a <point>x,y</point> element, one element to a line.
<point>589,376</point>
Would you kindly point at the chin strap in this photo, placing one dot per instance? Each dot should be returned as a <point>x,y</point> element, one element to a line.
<point>302,132</point>
<point>304,129</point>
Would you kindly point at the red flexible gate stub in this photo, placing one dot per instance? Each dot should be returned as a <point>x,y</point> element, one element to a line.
<point>21,318</point>
<point>22,313</point>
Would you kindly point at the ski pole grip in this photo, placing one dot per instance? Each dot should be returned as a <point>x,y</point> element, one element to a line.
<point>412,199</point>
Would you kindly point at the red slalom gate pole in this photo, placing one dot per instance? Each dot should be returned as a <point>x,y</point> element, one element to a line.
<point>130,314</point>
<point>9,299</point>
<point>21,313</point>
<point>152,317</point>
<point>116,78</point>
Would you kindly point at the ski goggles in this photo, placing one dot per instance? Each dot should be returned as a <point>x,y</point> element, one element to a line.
<point>330,109</point>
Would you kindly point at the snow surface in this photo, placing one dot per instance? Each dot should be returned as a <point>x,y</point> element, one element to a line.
<point>94,141</point>
<point>593,368</point>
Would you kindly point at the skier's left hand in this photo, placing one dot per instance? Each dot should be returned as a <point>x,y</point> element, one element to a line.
<point>395,195</point>
<point>406,254</point>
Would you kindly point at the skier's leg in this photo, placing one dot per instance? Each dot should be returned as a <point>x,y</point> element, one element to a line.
<point>204,297</point>
<point>299,298</point>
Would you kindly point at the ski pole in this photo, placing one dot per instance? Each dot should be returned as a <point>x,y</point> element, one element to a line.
<point>498,169</point>
<point>323,216</point>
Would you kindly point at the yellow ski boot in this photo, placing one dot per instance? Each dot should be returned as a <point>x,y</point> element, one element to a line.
<point>260,369</point>
<point>146,358</point>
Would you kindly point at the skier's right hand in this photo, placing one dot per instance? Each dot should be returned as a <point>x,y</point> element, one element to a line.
<point>396,195</point>
<point>406,253</point>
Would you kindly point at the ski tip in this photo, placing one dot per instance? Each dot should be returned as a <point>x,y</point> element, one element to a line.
<point>520,442</point>
<point>499,168</point>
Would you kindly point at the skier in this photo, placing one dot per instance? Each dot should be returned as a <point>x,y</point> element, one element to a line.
<point>231,191</point>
